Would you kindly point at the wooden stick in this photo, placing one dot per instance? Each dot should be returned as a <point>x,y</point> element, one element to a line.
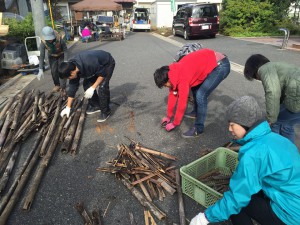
<point>41,108</point>
<point>66,146</point>
<point>154,152</point>
<point>151,218</point>
<point>42,167</point>
<point>35,106</point>
<point>5,129</point>
<point>27,101</point>
<point>139,196</point>
<point>6,109</point>
<point>9,168</point>
<point>144,189</point>
<point>96,217</point>
<point>79,128</point>
<point>52,129</point>
<point>20,183</point>
<point>180,199</point>
<point>146,217</point>
<point>83,213</point>
<point>30,156</point>
<point>17,114</point>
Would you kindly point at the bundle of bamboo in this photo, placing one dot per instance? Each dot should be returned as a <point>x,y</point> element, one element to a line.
<point>24,115</point>
<point>149,169</point>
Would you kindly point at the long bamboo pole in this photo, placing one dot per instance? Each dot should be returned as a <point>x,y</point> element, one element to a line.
<point>5,110</point>
<point>18,111</point>
<point>9,167</point>
<point>5,129</point>
<point>19,186</point>
<point>79,127</point>
<point>51,130</point>
<point>42,167</point>
<point>66,146</point>
<point>30,157</point>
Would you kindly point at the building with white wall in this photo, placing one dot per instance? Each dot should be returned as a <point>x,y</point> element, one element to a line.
<point>160,10</point>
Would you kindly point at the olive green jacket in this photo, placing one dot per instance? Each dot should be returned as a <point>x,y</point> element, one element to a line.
<point>281,82</point>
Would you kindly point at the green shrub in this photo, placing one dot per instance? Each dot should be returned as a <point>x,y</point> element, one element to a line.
<point>20,29</point>
<point>241,17</point>
<point>291,25</point>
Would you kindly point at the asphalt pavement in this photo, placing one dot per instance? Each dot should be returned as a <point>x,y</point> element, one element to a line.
<point>137,108</point>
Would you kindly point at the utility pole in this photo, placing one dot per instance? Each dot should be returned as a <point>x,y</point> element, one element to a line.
<point>38,16</point>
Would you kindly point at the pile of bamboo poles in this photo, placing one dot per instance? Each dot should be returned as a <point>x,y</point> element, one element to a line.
<point>26,114</point>
<point>216,179</point>
<point>150,170</point>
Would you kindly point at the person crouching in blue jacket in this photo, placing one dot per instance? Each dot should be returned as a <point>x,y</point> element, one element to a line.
<point>266,183</point>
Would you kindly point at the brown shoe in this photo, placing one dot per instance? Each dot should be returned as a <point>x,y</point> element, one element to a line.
<point>56,89</point>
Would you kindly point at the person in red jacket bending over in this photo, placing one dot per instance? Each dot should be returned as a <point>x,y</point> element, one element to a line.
<point>201,71</point>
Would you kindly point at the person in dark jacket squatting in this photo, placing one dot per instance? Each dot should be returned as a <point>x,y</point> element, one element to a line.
<point>201,71</point>
<point>266,183</point>
<point>281,82</point>
<point>57,53</point>
<point>96,68</point>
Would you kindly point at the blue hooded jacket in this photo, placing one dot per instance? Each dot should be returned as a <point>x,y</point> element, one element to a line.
<point>267,162</point>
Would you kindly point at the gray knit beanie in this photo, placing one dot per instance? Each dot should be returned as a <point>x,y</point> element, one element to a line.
<point>244,111</point>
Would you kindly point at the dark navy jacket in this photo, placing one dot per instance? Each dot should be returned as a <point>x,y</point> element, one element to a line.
<point>90,64</point>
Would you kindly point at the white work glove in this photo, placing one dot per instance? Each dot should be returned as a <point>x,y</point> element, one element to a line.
<point>66,111</point>
<point>40,74</point>
<point>89,92</point>
<point>200,219</point>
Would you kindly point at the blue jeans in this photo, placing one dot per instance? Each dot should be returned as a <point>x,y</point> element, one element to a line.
<point>202,91</point>
<point>285,123</point>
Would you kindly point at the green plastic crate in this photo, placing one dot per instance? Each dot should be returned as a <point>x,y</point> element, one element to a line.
<point>223,159</point>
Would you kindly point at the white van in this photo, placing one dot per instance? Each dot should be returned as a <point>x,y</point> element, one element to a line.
<point>140,20</point>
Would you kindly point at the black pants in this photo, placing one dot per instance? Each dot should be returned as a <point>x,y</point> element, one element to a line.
<point>258,209</point>
<point>102,98</point>
<point>54,63</point>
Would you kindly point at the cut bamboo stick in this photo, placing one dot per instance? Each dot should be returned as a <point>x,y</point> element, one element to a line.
<point>144,189</point>
<point>139,196</point>
<point>154,152</point>
<point>83,213</point>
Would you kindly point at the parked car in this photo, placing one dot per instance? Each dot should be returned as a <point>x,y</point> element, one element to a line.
<point>140,20</point>
<point>196,20</point>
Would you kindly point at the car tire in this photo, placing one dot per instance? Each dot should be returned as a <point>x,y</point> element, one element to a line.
<point>185,35</point>
<point>174,32</point>
<point>212,35</point>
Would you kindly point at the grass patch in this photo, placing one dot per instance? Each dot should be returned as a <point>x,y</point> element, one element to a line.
<point>164,31</point>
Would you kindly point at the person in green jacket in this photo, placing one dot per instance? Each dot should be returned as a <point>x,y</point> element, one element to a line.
<point>266,183</point>
<point>281,82</point>
<point>56,47</point>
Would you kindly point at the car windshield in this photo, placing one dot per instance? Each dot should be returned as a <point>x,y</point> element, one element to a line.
<point>203,11</point>
<point>141,15</point>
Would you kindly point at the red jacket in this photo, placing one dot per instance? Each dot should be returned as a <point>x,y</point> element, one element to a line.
<point>190,71</point>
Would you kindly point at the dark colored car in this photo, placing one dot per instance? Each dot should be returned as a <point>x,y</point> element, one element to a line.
<point>196,20</point>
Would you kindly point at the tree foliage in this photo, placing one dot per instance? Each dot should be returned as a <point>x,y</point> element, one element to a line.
<point>21,29</point>
<point>247,16</point>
